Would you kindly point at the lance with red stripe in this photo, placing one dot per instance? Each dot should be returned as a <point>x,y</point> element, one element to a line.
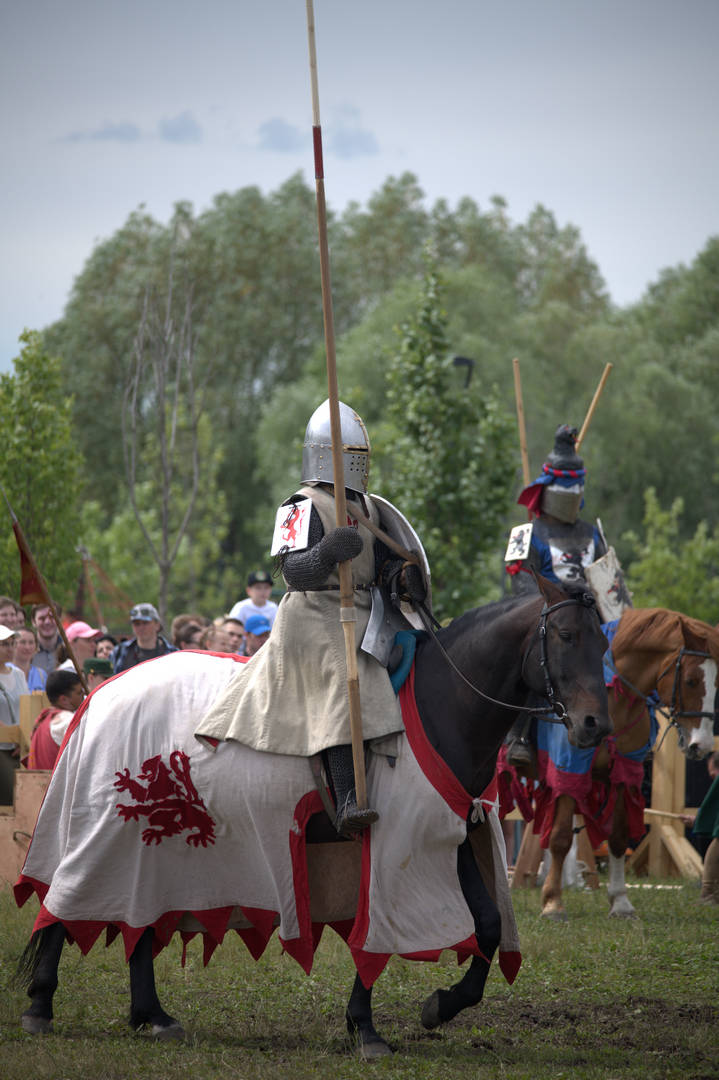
<point>347,610</point>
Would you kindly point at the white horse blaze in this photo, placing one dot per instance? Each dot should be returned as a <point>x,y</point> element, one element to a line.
<point>702,738</point>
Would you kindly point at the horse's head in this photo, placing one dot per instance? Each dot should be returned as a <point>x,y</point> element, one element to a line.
<point>690,688</point>
<point>679,655</point>
<point>564,662</point>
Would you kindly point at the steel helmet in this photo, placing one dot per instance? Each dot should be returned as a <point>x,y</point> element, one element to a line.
<point>317,449</point>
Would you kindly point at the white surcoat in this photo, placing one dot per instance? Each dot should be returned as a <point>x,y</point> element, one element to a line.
<point>291,697</point>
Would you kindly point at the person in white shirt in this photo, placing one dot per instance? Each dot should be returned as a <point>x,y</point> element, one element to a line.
<point>12,684</point>
<point>259,590</point>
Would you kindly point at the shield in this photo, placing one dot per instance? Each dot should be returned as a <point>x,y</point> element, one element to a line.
<point>519,541</point>
<point>385,618</point>
<point>605,578</point>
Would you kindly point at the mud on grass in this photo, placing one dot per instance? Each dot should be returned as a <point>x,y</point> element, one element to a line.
<point>595,998</point>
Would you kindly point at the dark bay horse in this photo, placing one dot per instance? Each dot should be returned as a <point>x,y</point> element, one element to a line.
<point>656,652</point>
<point>469,682</point>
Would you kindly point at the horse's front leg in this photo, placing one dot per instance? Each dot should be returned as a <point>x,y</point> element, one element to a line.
<point>620,906</point>
<point>443,1005</point>
<point>39,964</point>
<point>370,1045</point>
<point>560,841</point>
<point>145,1008</point>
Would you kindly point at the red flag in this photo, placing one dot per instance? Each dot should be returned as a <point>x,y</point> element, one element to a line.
<point>32,587</point>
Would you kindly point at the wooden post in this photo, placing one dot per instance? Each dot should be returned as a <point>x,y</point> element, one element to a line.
<point>31,705</point>
<point>665,850</point>
<point>531,853</point>
<point>528,861</point>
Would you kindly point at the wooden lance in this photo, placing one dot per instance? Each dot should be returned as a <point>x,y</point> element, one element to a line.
<point>520,421</point>
<point>592,407</point>
<point>348,616</point>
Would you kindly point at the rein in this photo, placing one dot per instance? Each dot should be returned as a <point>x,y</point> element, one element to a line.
<point>673,710</point>
<point>555,705</point>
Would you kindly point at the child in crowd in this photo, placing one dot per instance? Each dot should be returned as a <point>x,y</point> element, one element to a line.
<point>66,694</point>
<point>259,590</point>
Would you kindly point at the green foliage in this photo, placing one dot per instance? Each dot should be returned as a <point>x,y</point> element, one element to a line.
<point>671,572</point>
<point>445,454</point>
<point>195,581</point>
<point>41,470</point>
<point>530,289</point>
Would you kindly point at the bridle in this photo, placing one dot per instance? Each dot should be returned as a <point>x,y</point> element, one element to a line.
<point>556,706</point>
<point>675,708</point>
<point>674,711</point>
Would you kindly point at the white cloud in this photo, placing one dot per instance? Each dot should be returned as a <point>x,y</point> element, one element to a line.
<point>346,139</point>
<point>279,136</point>
<point>182,128</point>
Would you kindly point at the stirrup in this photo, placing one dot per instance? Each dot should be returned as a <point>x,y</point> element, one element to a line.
<point>351,819</point>
<point>519,752</point>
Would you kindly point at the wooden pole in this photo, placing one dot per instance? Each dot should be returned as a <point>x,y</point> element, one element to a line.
<point>592,407</point>
<point>348,616</point>
<point>520,421</point>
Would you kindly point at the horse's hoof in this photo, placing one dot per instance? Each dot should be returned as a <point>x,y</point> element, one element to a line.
<point>36,1025</point>
<point>555,914</point>
<point>372,1050</point>
<point>622,908</point>
<point>430,1012</point>
<point>173,1032</point>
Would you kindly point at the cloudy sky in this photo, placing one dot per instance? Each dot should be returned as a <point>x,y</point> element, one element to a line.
<point>605,112</point>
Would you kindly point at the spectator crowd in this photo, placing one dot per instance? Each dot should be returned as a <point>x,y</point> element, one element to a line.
<point>35,657</point>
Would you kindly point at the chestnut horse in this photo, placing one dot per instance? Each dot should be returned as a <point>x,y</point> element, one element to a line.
<point>469,682</point>
<point>657,658</point>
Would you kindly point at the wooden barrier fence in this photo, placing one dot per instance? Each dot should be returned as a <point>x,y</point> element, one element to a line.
<point>18,821</point>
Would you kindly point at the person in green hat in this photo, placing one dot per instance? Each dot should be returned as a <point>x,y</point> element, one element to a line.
<point>96,670</point>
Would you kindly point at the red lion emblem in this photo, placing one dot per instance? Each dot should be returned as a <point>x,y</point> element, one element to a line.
<point>168,799</point>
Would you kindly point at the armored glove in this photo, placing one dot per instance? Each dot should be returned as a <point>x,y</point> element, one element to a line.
<point>403,580</point>
<point>413,583</point>
<point>311,568</point>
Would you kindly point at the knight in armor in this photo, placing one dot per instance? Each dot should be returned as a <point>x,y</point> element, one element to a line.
<point>561,546</point>
<point>291,698</point>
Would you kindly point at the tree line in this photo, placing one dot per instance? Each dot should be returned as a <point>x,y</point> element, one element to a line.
<point>190,356</point>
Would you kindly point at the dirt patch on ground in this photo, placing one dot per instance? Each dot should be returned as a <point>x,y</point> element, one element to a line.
<point>630,1023</point>
<point>654,1030</point>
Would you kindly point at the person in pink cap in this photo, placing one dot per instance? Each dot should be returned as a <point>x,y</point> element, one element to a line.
<point>83,639</point>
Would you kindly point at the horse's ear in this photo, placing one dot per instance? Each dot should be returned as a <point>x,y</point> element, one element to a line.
<point>700,636</point>
<point>551,592</point>
<point>712,642</point>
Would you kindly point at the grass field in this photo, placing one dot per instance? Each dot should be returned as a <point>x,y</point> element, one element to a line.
<point>594,998</point>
